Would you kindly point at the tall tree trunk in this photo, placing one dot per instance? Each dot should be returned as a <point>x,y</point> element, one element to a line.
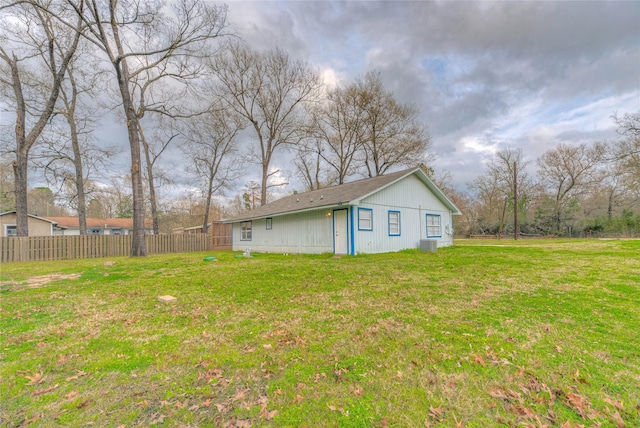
<point>70,114</point>
<point>21,183</point>
<point>263,183</point>
<point>20,166</point>
<point>207,204</point>
<point>138,244</point>
<point>77,163</point>
<point>151,182</point>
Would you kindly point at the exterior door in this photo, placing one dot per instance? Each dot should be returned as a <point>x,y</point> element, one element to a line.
<point>340,237</point>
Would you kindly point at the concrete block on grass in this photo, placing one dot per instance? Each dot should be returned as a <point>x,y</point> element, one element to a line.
<point>166,299</point>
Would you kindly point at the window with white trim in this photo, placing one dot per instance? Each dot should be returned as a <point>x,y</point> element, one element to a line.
<point>394,223</point>
<point>10,230</point>
<point>365,219</point>
<point>269,223</point>
<point>434,226</point>
<point>245,231</point>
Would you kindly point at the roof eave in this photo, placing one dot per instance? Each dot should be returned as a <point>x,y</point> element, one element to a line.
<point>427,181</point>
<point>280,214</point>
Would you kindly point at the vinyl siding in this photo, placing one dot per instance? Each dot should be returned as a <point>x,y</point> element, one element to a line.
<point>309,232</point>
<point>413,200</point>
<point>36,226</point>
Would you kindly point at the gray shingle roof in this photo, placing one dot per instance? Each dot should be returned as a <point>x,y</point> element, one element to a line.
<point>343,194</point>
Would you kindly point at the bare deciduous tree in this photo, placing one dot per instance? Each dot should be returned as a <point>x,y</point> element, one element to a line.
<point>268,89</point>
<point>211,146</point>
<point>494,188</point>
<point>154,148</point>
<point>394,136</point>
<point>311,167</point>
<point>339,124</point>
<point>180,29</point>
<point>68,156</point>
<point>627,150</point>
<point>566,172</point>
<point>32,74</point>
<point>164,94</point>
<point>364,131</point>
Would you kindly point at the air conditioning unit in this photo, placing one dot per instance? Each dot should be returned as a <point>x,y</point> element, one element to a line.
<point>429,245</point>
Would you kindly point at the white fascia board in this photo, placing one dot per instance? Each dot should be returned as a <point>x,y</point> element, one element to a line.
<point>280,214</point>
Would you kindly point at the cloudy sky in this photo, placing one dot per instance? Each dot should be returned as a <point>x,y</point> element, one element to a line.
<point>485,75</point>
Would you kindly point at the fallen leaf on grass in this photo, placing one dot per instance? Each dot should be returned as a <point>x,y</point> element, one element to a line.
<point>578,402</point>
<point>157,419</point>
<point>358,391</point>
<point>458,423</point>
<point>618,420</point>
<point>71,394</point>
<point>568,424</point>
<point>496,393</point>
<point>79,374</point>
<point>270,415</point>
<point>44,390</point>
<point>551,416</point>
<point>523,412</point>
<point>35,379</point>
<point>240,394</point>
<point>299,398</point>
<point>30,420</point>
<point>203,363</point>
<point>435,412</point>
<point>182,405</point>
<point>478,359</point>
<point>618,405</point>
<point>267,346</point>
<point>84,404</point>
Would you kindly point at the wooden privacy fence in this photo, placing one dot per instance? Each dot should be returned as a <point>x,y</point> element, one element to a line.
<point>221,236</point>
<point>16,249</point>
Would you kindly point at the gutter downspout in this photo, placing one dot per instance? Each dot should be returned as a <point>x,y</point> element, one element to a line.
<point>353,244</point>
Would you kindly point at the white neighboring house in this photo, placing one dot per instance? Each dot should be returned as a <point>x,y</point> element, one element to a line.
<point>387,213</point>
<point>99,226</point>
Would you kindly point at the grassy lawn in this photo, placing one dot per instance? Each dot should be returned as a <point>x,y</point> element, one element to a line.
<point>489,333</point>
